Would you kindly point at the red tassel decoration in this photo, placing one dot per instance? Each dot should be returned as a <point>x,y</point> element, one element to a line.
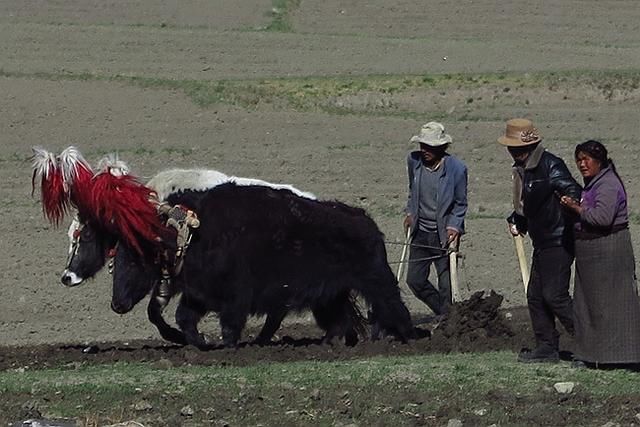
<point>121,203</point>
<point>77,177</point>
<point>53,192</point>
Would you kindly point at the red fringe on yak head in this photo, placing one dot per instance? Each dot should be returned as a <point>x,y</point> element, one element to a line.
<point>53,191</point>
<point>78,177</point>
<point>123,205</point>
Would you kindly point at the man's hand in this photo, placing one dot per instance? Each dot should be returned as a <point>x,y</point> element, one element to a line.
<point>453,236</point>
<point>408,222</point>
<point>513,229</point>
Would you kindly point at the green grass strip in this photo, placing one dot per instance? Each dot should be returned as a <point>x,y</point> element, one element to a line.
<point>374,391</point>
<point>478,371</point>
<point>320,93</point>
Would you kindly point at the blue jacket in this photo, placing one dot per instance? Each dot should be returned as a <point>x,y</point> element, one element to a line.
<point>451,196</point>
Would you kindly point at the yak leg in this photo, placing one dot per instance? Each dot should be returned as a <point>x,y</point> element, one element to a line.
<point>337,318</point>
<point>231,324</point>
<point>188,316</point>
<point>154,313</point>
<point>234,315</point>
<point>376,329</point>
<point>271,325</point>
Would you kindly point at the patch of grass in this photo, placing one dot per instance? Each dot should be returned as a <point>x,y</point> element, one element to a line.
<point>280,12</point>
<point>380,391</point>
<point>327,93</point>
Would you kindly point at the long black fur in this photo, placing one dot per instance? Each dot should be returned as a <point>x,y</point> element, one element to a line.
<point>264,251</point>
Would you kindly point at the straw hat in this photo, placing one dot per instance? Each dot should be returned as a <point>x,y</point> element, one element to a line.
<point>520,133</point>
<point>433,135</point>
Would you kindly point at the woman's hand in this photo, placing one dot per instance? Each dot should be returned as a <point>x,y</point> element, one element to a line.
<point>571,204</point>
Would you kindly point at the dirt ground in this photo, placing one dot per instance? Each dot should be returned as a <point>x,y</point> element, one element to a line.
<point>47,47</point>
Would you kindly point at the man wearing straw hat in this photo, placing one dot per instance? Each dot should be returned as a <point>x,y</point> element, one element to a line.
<point>540,179</point>
<point>435,213</point>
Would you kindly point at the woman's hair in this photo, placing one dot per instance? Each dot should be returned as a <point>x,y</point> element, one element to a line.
<point>594,149</point>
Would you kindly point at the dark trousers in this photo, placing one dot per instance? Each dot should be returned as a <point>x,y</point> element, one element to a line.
<point>438,299</point>
<point>548,295</point>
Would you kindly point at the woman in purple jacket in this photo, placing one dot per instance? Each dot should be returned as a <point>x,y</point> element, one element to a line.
<point>605,302</point>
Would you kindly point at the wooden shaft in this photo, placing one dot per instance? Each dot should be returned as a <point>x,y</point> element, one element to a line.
<point>453,274</point>
<point>407,240</point>
<point>522,260</point>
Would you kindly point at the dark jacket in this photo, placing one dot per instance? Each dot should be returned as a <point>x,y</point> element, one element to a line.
<point>452,194</point>
<point>545,180</point>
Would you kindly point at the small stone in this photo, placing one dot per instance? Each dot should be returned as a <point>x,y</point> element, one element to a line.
<point>187,411</point>
<point>454,423</point>
<point>508,315</point>
<point>564,387</point>
<point>638,416</point>
<point>480,412</point>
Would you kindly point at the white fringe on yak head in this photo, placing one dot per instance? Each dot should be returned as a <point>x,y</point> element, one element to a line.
<point>111,163</point>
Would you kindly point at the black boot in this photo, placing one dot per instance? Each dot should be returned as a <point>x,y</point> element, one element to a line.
<point>542,354</point>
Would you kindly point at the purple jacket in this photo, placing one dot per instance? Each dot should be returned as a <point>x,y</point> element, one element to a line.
<point>604,202</point>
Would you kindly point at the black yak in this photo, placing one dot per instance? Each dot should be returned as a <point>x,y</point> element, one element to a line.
<point>67,182</point>
<point>260,250</point>
<point>88,249</point>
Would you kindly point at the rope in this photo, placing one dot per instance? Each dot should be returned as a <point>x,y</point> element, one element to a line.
<point>416,245</point>
<point>429,258</point>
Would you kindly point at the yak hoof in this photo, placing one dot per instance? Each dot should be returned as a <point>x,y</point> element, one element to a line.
<point>230,337</point>
<point>198,340</point>
<point>351,339</point>
<point>375,331</point>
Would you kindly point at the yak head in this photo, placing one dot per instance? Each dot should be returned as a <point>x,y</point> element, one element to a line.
<point>89,248</point>
<point>134,276</point>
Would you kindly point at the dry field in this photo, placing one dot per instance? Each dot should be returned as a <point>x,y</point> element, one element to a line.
<point>322,95</point>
